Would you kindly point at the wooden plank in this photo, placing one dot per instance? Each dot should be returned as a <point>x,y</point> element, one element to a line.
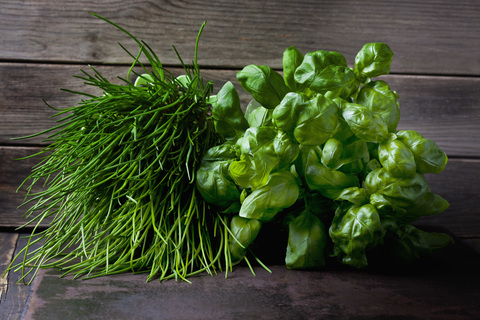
<point>458,184</point>
<point>444,287</point>
<point>13,306</point>
<point>12,174</point>
<point>473,243</point>
<point>8,243</point>
<point>432,37</point>
<point>445,109</point>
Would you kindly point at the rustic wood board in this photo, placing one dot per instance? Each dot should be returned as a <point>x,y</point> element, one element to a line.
<point>442,287</point>
<point>8,242</point>
<point>428,37</point>
<point>14,301</point>
<point>445,109</point>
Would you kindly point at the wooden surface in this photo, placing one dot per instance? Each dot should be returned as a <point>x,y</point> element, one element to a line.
<point>435,71</point>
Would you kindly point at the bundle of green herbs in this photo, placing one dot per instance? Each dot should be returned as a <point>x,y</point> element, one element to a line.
<point>318,154</point>
<point>118,177</point>
<point>162,177</point>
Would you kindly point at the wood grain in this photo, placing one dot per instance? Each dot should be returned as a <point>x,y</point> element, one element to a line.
<point>440,289</point>
<point>8,242</point>
<point>428,37</point>
<point>445,109</point>
<point>15,302</point>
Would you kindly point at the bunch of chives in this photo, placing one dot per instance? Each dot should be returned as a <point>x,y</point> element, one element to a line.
<point>118,177</point>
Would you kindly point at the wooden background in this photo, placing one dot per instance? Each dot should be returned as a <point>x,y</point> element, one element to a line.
<point>435,71</point>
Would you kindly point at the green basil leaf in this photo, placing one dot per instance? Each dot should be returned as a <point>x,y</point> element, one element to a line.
<point>342,131</point>
<point>244,232</point>
<point>316,121</point>
<point>306,242</point>
<point>227,114</point>
<point>243,170</point>
<point>400,192</point>
<point>412,243</point>
<point>286,113</point>
<point>214,184</point>
<point>286,150</point>
<point>264,84</point>
<point>355,230</point>
<point>428,156</point>
<point>307,74</point>
<point>397,159</point>
<point>356,195</point>
<point>225,151</point>
<point>430,204</point>
<point>292,59</point>
<point>373,60</point>
<point>364,123</point>
<point>307,154</point>
<point>381,100</point>
<point>336,154</point>
<point>258,116</point>
<point>339,80</point>
<point>280,192</point>
<point>257,157</point>
<point>262,150</point>
<point>328,183</point>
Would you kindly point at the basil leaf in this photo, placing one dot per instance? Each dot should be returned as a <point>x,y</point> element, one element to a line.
<point>257,115</point>
<point>292,59</point>
<point>262,149</point>
<point>264,84</point>
<point>286,113</point>
<point>430,204</point>
<point>306,155</point>
<point>336,154</point>
<point>339,80</point>
<point>225,151</point>
<point>397,159</point>
<point>400,192</point>
<point>306,242</point>
<point>280,192</point>
<point>316,122</point>
<point>244,231</point>
<point>412,243</point>
<point>286,150</point>
<point>307,74</point>
<point>428,156</point>
<point>257,157</point>
<point>373,60</point>
<point>328,183</point>
<point>214,184</point>
<point>227,114</point>
<point>364,123</point>
<point>356,195</point>
<point>355,230</point>
<point>381,100</point>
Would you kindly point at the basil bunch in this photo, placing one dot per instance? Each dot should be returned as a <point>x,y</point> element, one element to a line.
<point>318,151</point>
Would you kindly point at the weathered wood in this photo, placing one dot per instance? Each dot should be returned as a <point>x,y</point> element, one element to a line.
<point>442,287</point>
<point>12,174</point>
<point>8,241</point>
<point>13,306</point>
<point>432,37</point>
<point>456,184</point>
<point>445,109</point>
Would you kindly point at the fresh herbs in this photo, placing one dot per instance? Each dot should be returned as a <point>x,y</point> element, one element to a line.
<point>149,177</point>
<point>318,152</point>
<point>119,176</point>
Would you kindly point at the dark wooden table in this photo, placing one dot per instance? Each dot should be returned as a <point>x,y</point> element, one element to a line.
<point>435,71</point>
